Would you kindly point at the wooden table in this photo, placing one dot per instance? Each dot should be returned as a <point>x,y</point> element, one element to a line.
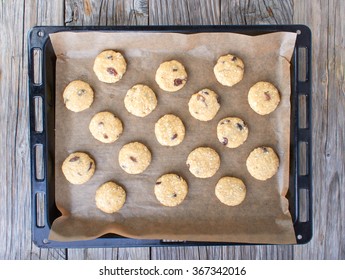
<point>326,20</point>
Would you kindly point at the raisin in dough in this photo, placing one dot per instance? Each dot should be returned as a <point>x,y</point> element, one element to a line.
<point>171,76</point>
<point>229,70</point>
<point>109,66</point>
<point>171,189</point>
<point>78,96</point>
<point>134,158</point>
<point>263,98</point>
<point>169,130</point>
<point>203,162</point>
<point>232,132</point>
<point>262,163</point>
<point>105,127</point>
<point>78,168</point>
<point>204,105</point>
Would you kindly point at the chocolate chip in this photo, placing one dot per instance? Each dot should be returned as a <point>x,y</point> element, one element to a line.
<point>174,136</point>
<point>105,136</point>
<point>234,58</point>
<point>225,141</point>
<point>158,183</point>
<point>81,92</point>
<point>90,166</point>
<point>111,71</point>
<point>239,126</point>
<point>79,174</point>
<point>267,96</point>
<point>175,69</point>
<point>101,124</point>
<point>264,149</point>
<point>173,195</point>
<point>205,92</point>
<point>178,82</point>
<point>109,57</point>
<point>133,159</point>
<point>73,159</point>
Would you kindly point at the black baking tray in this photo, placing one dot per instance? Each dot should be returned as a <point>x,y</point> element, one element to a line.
<point>41,72</point>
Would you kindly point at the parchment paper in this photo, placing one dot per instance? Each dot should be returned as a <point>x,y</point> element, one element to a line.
<point>263,217</point>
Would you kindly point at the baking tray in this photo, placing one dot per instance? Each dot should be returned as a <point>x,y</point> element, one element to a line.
<point>41,72</point>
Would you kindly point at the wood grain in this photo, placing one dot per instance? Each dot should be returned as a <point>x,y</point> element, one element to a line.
<point>256,12</point>
<point>328,63</point>
<point>183,12</point>
<point>17,17</point>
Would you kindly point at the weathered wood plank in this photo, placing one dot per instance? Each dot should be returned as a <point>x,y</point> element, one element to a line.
<point>92,254</point>
<point>256,12</point>
<point>133,254</point>
<point>17,17</point>
<point>109,12</point>
<point>183,12</point>
<point>327,24</point>
<point>175,253</point>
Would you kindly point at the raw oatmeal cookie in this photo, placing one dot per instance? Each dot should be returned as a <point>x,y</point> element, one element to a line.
<point>230,191</point>
<point>105,127</point>
<point>232,132</point>
<point>134,158</point>
<point>262,163</point>
<point>109,66</point>
<point>169,130</point>
<point>78,168</point>
<point>263,98</point>
<point>78,96</point>
<point>204,105</point>
<point>171,76</point>
<point>229,70</point>
<point>171,189</point>
<point>140,100</point>
<point>203,162</point>
<point>110,197</point>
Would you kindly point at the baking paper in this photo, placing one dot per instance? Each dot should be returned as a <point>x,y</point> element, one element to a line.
<point>263,217</point>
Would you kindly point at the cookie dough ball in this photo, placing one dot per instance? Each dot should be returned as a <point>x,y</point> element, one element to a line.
<point>171,189</point>
<point>105,127</point>
<point>134,158</point>
<point>230,190</point>
<point>78,96</point>
<point>109,66</point>
<point>110,197</point>
<point>171,76</point>
<point>203,162</point>
<point>204,105</point>
<point>169,130</point>
<point>263,98</point>
<point>229,70</point>
<point>140,100</point>
<point>262,163</point>
<point>232,132</point>
<point>78,168</point>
